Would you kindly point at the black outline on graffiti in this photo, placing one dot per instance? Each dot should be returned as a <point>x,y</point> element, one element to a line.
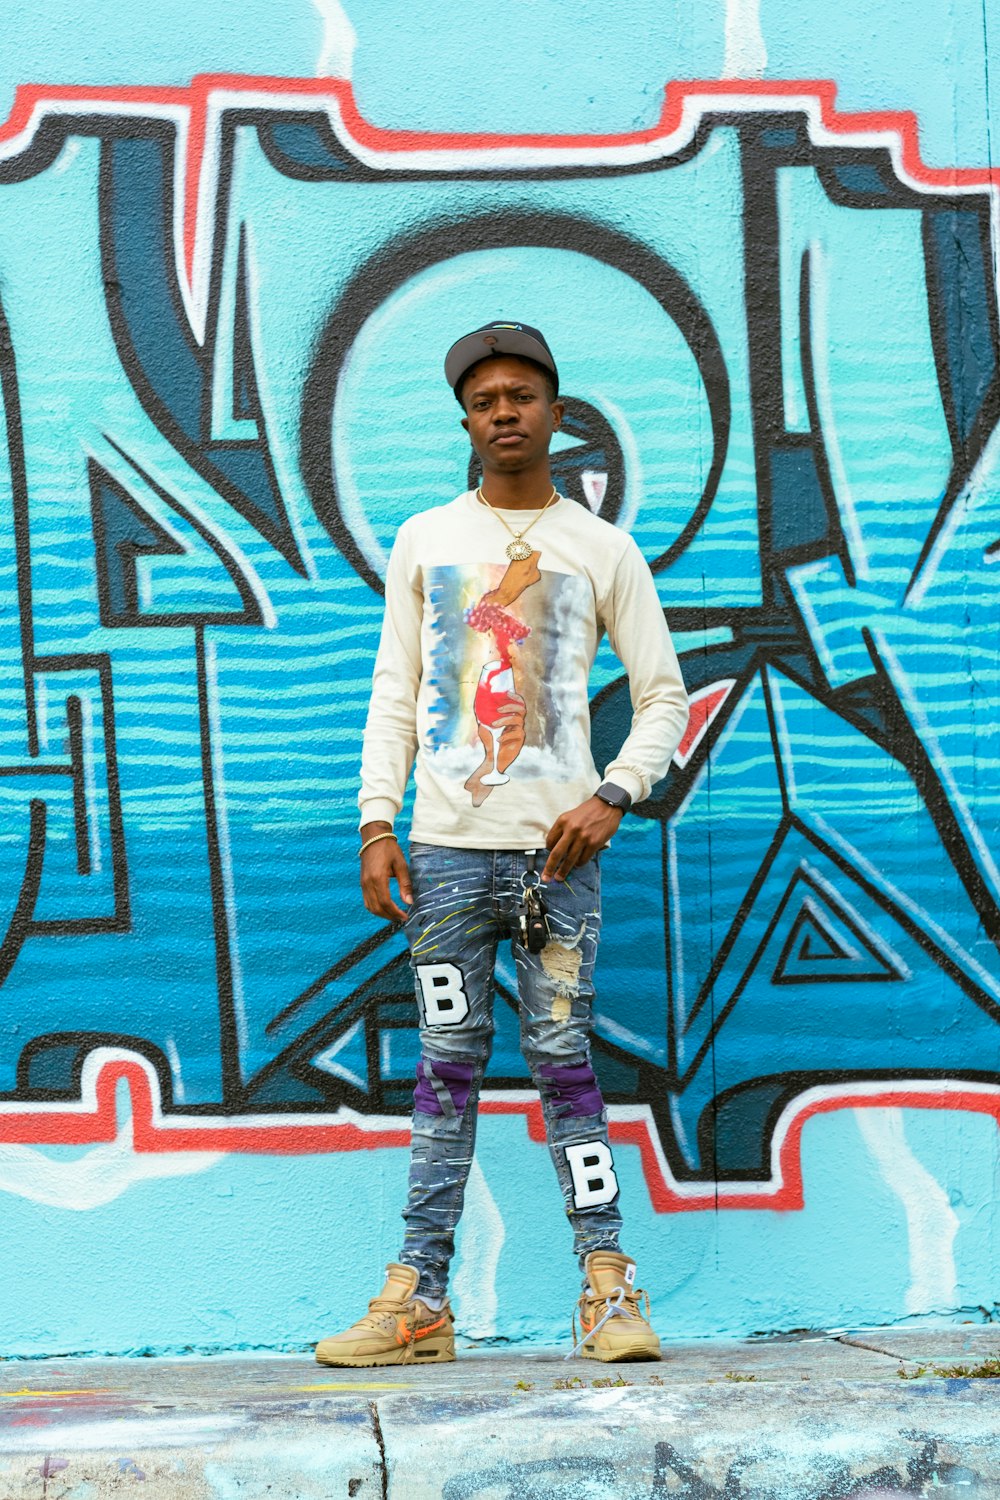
<point>197,457</point>
<point>405,257</point>
<point>24,921</point>
<point>767,636</point>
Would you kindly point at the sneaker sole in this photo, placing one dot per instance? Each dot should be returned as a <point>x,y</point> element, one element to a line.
<point>427,1352</point>
<point>630,1353</point>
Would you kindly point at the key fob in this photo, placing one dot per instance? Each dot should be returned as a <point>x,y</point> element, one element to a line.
<point>534,927</point>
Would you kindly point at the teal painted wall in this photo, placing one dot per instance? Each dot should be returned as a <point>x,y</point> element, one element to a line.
<point>225,305</point>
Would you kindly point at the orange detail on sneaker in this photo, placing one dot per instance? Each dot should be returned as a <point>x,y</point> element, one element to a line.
<point>407,1335</point>
<point>397,1329</point>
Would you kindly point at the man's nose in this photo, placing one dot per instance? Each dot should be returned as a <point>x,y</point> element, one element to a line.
<point>504,411</point>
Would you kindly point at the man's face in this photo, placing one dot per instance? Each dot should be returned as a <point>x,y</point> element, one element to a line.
<point>509,414</point>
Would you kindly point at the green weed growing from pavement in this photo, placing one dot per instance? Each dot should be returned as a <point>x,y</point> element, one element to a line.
<point>987,1369</point>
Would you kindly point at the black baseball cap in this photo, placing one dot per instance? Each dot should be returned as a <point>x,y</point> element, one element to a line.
<point>503,337</point>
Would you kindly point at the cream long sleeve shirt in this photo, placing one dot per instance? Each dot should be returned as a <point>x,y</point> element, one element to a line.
<point>483,667</point>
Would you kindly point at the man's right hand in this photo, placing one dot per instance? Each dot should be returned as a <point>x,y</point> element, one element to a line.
<point>381,863</point>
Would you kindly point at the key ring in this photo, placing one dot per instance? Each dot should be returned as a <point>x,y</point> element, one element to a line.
<point>527,886</point>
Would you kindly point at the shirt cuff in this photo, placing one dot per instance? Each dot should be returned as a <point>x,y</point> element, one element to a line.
<point>378,810</point>
<point>628,782</point>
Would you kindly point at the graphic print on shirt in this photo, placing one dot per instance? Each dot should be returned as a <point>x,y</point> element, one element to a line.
<point>498,706</point>
<point>497,660</point>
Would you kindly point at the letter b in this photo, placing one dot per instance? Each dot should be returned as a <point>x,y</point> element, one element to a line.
<point>441,986</point>
<point>594,1180</point>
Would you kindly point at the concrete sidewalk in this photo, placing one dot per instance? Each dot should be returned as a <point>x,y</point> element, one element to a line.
<point>809,1417</point>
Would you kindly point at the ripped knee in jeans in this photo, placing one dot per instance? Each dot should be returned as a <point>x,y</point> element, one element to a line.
<point>561,963</point>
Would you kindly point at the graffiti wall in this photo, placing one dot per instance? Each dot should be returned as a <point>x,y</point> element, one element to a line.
<point>225,293</point>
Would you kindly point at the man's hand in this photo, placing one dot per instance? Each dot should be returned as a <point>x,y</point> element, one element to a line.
<point>577,835</point>
<point>511,720</point>
<point>381,863</point>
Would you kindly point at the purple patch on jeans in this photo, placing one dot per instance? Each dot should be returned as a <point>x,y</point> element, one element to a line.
<point>575,1091</point>
<point>453,1078</point>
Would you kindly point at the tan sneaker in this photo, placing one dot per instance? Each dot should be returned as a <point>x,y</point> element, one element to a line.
<point>396,1330</point>
<point>612,1327</point>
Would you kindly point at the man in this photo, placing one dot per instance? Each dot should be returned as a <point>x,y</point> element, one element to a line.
<point>494,607</point>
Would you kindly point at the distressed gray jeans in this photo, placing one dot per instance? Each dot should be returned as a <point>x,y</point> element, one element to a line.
<point>465,901</point>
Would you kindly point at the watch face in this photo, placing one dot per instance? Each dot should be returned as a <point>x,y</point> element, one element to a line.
<point>614,796</point>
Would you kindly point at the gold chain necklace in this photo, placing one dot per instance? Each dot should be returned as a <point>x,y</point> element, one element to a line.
<point>518,550</point>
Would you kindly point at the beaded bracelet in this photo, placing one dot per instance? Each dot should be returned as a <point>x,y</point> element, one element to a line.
<point>374,840</point>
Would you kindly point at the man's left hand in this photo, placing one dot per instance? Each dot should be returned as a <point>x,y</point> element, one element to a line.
<point>577,835</point>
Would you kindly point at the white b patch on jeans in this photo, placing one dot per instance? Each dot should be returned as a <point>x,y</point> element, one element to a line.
<point>593,1173</point>
<point>442,987</point>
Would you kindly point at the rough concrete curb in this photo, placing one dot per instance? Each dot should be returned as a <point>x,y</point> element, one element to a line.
<point>813,1419</point>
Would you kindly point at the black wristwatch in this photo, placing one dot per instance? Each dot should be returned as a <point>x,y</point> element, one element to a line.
<point>614,796</point>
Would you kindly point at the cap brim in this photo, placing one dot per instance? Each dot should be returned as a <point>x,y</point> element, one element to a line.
<point>473,347</point>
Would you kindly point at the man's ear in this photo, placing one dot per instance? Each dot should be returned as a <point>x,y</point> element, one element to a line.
<point>465,423</point>
<point>558,412</point>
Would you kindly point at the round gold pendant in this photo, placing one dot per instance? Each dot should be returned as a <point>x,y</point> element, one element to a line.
<point>519,551</point>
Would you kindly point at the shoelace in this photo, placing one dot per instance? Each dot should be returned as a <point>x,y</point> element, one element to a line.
<point>379,1305</point>
<point>614,1309</point>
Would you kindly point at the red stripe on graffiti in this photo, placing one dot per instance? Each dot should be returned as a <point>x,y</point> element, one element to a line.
<point>87,1128</point>
<point>75,1127</point>
<point>195,97</point>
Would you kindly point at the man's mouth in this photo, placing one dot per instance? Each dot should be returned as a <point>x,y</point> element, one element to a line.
<point>507,439</point>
